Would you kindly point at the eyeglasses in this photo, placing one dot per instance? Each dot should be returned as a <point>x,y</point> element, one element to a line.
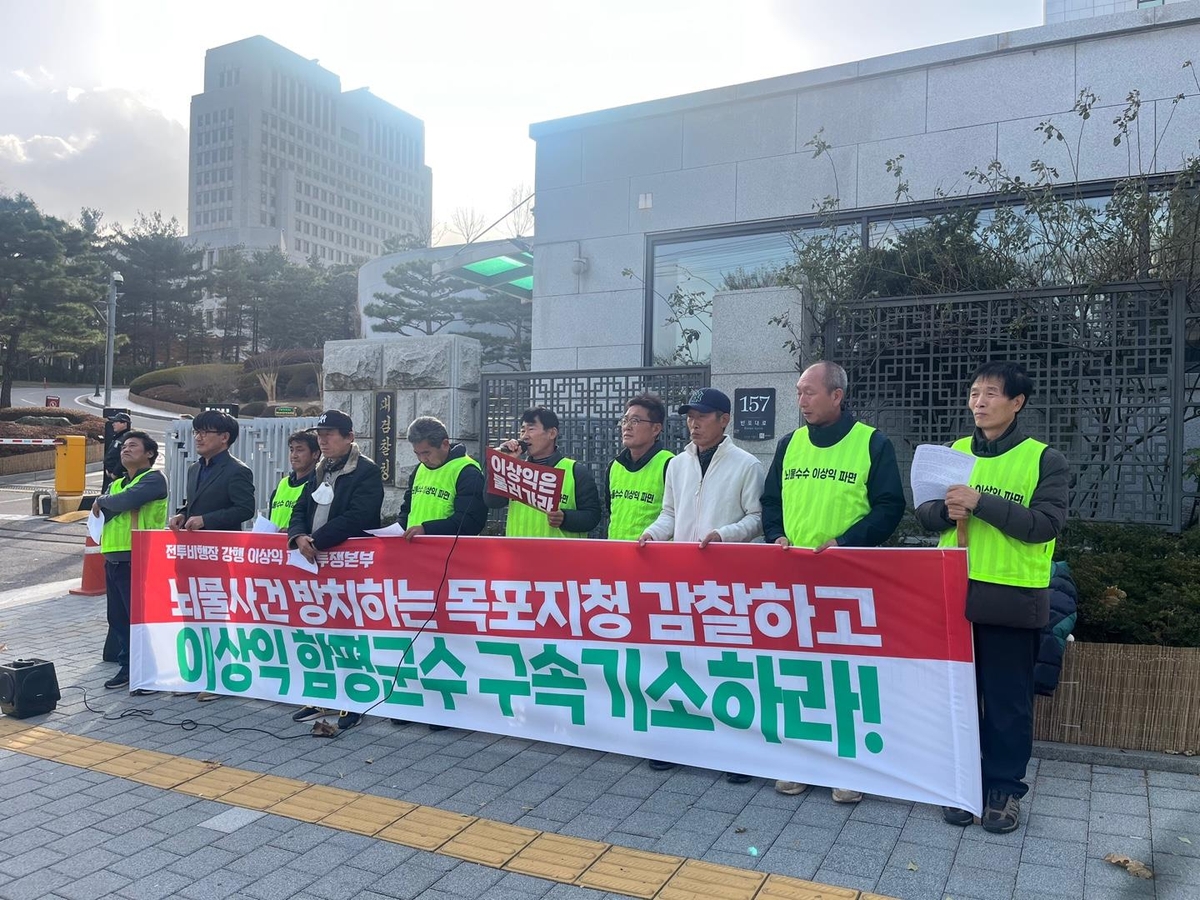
<point>633,420</point>
<point>199,432</point>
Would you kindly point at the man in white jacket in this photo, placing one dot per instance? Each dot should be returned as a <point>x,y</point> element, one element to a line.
<point>712,493</point>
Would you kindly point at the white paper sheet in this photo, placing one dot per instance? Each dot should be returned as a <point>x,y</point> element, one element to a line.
<point>95,525</point>
<point>393,530</point>
<point>296,558</point>
<point>263,525</point>
<point>935,468</point>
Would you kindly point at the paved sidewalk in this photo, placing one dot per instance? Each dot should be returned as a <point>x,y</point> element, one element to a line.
<point>75,833</point>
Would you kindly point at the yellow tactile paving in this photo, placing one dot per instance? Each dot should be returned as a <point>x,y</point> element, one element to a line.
<point>624,870</point>
<point>425,828</point>
<point>313,803</point>
<point>782,887</point>
<point>698,880</point>
<point>132,763</point>
<point>489,843</point>
<point>264,792</point>
<point>368,815</point>
<point>218,782</point>
<point>18,739</point>
<point>173,772</point>
<point>621,870</point>
<point>58,747</point>
<point>556,857</point>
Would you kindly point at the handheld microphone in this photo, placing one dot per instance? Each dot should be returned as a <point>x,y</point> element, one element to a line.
<point>523,444</point>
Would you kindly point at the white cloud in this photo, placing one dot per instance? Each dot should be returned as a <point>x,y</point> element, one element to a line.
<point>70,148</point>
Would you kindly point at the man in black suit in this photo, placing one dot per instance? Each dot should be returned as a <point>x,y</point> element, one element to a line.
<point>220,487</point>
<point>341,502</point>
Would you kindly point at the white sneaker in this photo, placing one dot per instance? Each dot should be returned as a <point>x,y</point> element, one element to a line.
<point>841,795</point>
<point>791,788</point>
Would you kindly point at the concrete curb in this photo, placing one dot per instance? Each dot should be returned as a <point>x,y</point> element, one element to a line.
<point>145,412</point>
<point>1122,759</point>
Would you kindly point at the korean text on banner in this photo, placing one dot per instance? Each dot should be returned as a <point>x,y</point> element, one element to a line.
<point>851,668</point>
<point>534,485</point>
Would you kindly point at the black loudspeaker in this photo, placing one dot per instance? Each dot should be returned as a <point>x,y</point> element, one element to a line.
<point>28,687</point>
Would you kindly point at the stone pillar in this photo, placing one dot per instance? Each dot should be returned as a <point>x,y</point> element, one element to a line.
<point>431,375</point>
<point>749,352</point>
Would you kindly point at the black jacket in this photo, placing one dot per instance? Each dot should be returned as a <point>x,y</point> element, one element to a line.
<point>469,516</point>
<point>1041,521</point>
<point>357,500</point>
<point>586,514</point>
<point>885,491</point>
<point>225,498</point>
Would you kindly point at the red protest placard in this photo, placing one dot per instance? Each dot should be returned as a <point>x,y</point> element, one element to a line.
<point>532,484</point>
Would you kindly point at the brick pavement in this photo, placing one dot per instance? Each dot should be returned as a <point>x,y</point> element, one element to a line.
<point>73,833</point>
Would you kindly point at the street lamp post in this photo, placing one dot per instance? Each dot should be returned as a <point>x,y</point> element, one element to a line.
<point>114,279</point>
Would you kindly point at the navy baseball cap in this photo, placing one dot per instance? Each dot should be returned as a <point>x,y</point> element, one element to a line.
<point>335,418</point>
<point>706,400</point>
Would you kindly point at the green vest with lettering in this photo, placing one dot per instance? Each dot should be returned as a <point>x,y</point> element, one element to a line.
<point>824,489</point>
<point>118,531</point>
<point>635,498</point>
<point>529,521</point>
<point>433,490</point>
<point>283,501</point>
<point>992,555</point>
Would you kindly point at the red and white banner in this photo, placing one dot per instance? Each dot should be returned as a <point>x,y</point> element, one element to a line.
<point>849,668</point>
<point>533,484</point>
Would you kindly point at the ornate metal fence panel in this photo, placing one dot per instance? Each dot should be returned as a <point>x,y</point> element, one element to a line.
<point>1108,364</point>
<point>588,404</point>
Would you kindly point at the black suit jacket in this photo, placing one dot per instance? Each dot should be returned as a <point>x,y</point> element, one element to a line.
<point>225,499</point>
<point>357,499</point>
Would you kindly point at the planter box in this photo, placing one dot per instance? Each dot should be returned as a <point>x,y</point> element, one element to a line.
<point>1130,696</point>
<point>44,460</point>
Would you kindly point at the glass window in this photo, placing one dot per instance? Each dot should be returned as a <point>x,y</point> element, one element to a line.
<point>688,273</point>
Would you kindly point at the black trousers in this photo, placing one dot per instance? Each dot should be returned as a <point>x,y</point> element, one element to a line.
<point>118,578</point>
<point>1004,663</point>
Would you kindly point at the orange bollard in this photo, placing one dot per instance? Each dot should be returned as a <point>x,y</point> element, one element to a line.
<point>93,583</point>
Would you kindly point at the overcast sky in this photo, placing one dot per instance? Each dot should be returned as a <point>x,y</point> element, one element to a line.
<point>94,94</point>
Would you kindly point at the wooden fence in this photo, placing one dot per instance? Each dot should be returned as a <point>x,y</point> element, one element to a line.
<point>1134,697</point>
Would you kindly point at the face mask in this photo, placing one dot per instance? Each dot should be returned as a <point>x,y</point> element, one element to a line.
<point>323,494</point>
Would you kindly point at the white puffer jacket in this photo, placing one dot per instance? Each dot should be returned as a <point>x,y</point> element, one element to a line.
<point>728,499</point>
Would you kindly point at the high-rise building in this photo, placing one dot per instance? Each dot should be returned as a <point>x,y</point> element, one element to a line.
<point>281,157</point>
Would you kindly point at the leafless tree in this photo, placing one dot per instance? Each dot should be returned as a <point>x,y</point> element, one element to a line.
<point>468,223</point>
<point>520,220</point>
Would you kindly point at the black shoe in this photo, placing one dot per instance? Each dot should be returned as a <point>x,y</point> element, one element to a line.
<point>737,778</point>
<point>347,720</point>
<point>120,680</point>
<point>308,713</point>
<point>142,692</point>
<point>438,727</point>
<point>1002,813</point>
<point>399,722</point>
<point>955,816</point>
<point>661,765</point>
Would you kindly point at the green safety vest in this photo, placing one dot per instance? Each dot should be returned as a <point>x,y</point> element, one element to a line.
<point>992,555</point>
<point>117,535</point>
<point>529,521</point>
<point>433,490</point>
<point>635,498</point>
<point>824,489</point>
<point>284,501</point>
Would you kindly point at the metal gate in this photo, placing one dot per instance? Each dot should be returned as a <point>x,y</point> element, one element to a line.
<point>261,444</point>
<point>588,405</point>
<point>1108,366</point>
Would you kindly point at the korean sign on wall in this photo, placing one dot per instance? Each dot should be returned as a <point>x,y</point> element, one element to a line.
<point>850,668</point>
<point>385,434</point>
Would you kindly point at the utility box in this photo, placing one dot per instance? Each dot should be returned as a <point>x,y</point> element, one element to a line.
<point>44,503</point>
<point>70,465</point>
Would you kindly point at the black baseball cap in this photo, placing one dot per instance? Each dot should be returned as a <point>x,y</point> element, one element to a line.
<point>706,400</point>
<point>121,417</point>
<point>335,418</point>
